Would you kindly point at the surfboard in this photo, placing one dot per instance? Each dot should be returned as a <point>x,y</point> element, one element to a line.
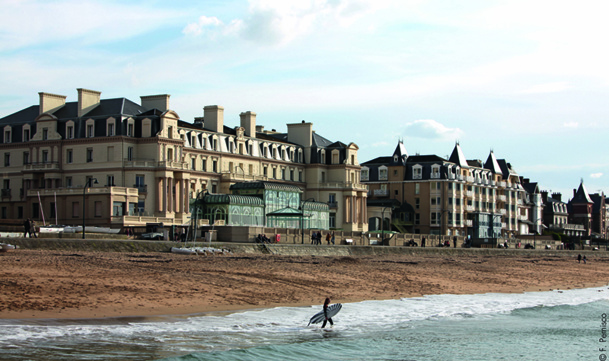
<point>319,316</point>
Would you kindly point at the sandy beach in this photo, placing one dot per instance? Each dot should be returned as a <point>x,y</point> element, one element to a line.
<point>63,284</point>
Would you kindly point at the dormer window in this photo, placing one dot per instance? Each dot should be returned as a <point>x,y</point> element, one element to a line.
<point>382,173</point>
<point>364,174</point>
<point>90,131</point>
<point>26,134</point>
<point>110,129</point>
<point>417,172</point>
<point>7,135</point>
<point>435,171</point>
<point>70,132</point>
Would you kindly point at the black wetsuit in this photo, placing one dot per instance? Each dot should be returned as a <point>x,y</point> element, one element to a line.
<point>326,319</point>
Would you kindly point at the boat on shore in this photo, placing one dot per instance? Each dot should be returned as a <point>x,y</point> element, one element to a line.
<point>77,229</point>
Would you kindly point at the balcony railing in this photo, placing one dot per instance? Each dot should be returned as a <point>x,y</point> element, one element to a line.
<point>41,166</point>
<point>469,222</point>
<point>6,193</point>
<point>141,188</point>
<point>380,192</point>
<point>435,176</point>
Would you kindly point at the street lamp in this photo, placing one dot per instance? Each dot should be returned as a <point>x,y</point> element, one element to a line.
<point>89,183</point>
<point>302,207</point>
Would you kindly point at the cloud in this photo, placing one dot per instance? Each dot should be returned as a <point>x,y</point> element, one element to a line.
<point>204,22</point>
<point>273,22</point>
<point>596,175</point>
<point>572,125</point>
<point>431,129</point>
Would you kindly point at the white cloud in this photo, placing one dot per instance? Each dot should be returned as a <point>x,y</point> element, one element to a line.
<point>204,22</point>
<point>596,175</point>
<point>431,129</point>
<point>571,125</point>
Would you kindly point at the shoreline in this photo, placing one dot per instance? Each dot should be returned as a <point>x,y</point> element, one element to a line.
<point>44,285</point>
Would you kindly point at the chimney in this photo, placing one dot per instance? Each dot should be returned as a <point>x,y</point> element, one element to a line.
<point>301,133</point>
<point>544,196</point>
<point>199,122</point>
<point>557,196</point>
<point>87,100</point>
<point>248,121</point>
<point>213,116</point>
<point>259,128</point>
<point>49,103</point>
<point>160,102</point>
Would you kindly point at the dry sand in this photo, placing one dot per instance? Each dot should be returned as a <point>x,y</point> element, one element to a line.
<point>60,284</point>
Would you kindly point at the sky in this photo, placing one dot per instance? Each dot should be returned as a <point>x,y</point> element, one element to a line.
<point>528,80</point>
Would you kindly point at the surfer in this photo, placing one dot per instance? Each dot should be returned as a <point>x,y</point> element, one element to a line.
<point>326,304</point>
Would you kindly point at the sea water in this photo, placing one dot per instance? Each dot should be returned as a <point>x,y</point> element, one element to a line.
<point>554,325</point>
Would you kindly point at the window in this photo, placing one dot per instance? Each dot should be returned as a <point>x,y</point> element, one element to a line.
<point>26,135</point>
<point>45,134</point>
<point>26,158</point>
<point>214,166</point>
<point>332,198</point>
<point>89,155</point>
<point>283,173</point>
<point>193,163</point>
<point>292,174</point>
<point>417,188</point>
<point>52,212</point>
<point>7,159</point>
<point>383,173</point>
<point>435,171</point>
<point>69,156</point>
<point>417,203</point>
<point>98,208</point>
<point>332,220</point>
<point>110,129</point>
<point>417,172</point>
<point>130,153</point>
<point>45,156</point>
<point>117,209</point>
<point>68,182</point>
<point>275,173</point>
<point>110,181</point>
<point>89,130</point>
<point>417,218</point>
<point>7,136</point>
<point>300,176</point>
<point>364,174</point>
<point>204,164</point>
<point>75,209</point>
<point>130,130</point>
<point>70,132</point>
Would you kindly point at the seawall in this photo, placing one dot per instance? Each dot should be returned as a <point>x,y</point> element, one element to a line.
<point>283,249</point>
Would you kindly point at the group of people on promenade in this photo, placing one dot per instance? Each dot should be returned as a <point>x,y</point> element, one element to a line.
<point>29,228</point>
<point>316,238</point>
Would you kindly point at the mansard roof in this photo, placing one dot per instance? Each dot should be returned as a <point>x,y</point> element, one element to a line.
<point>400,153</point>
<point>105,108</point>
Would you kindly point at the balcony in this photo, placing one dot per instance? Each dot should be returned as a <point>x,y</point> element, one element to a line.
<point>345,185</point>
<point>139,163</point>
<point>469,179</point>
<point>470,208</point>
<point>174,165</point>
<point>380,192</point>
<point>333,204</point>
<point>41,166</point>
<point>502,211</point>
<point>6,193</point>
<point>469,223</point>
<point>469,194</point>
<point>502,197</point>
<point>435,176</point>
<point>502,184</point>
<point>141,188</point>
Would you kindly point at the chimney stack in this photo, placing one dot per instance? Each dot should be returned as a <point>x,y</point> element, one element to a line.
<point>248,122</point>
<point>160,102</point>
<point>49,103</point>
<point>544,196</point>
<point>557,196</point>
<point>213,117</point>
<point>87,100</point>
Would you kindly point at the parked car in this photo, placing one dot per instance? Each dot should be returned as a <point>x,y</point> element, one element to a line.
<point>152,235</point>
<point>529,246</point>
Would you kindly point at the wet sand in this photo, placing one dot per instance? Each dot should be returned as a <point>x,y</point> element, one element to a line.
<point>62,284</point>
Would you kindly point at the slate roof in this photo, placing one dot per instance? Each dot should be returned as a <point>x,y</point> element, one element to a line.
<point>458,157</point>
<point>581,196</point>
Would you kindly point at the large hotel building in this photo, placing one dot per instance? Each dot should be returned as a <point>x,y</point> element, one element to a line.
<point>129,164</point>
